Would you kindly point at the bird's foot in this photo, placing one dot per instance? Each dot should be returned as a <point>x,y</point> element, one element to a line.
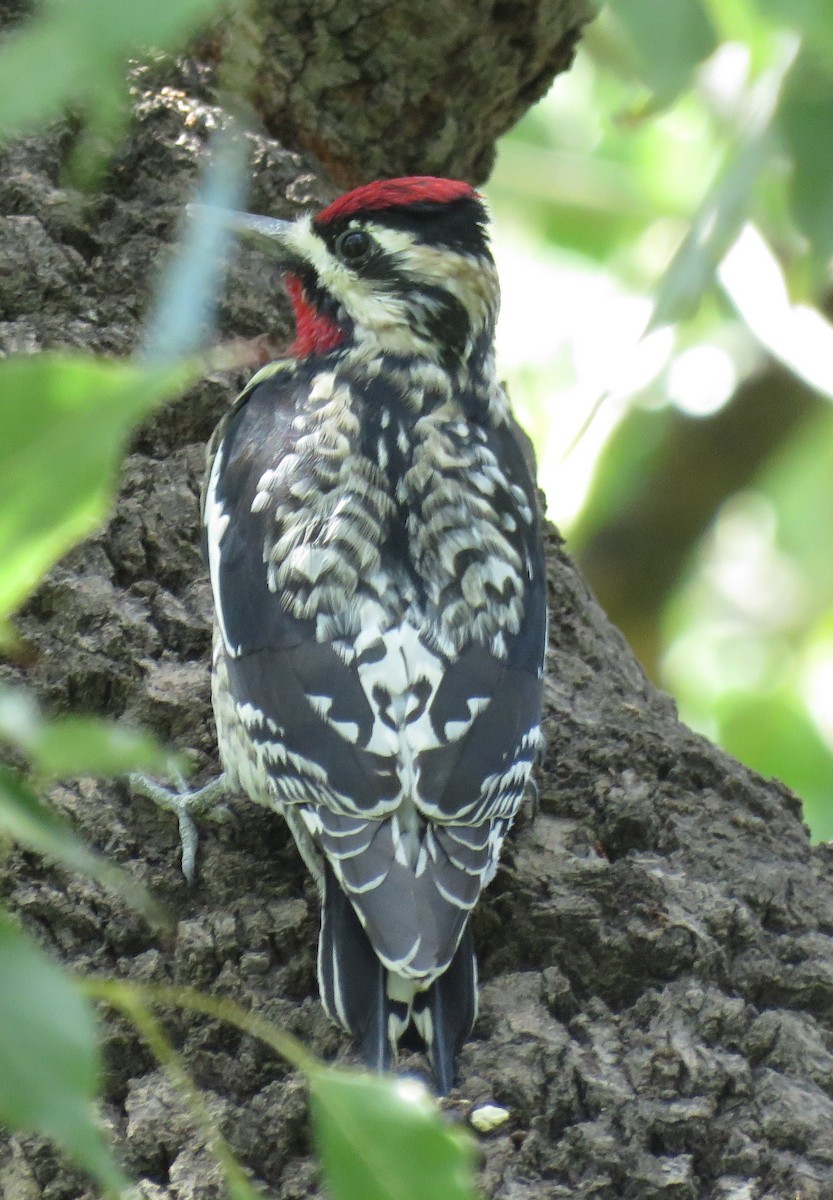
<point>189,806</point>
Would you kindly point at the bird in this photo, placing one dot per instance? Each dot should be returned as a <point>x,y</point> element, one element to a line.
<point>373,538</point>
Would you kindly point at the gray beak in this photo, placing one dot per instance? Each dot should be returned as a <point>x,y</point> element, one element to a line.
<point>268,233</point>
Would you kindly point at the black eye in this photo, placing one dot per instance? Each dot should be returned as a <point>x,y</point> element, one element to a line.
<point>354,245</point>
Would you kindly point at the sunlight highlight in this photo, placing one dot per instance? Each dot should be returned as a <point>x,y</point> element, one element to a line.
<point>702,380</point>
<point>817,691</point>
<point>574,361</point>
<point>412,1091</point>
<point>797,334</point>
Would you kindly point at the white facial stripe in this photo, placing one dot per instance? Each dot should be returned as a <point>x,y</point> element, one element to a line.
<point>471,280</point>
<point>383,313</point>
<point>334,275</point>
<point>388,315</point>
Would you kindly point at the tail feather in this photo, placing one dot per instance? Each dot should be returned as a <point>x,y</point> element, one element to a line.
<point>351,978</point>
<point>446,1011</point>
<point>376,1006</point>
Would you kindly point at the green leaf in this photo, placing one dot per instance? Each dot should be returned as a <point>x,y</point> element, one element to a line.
<point>382,1138</point>
<point>715,226</point>
<point>669,39</point>
<point>77,745</point>
<point>64,421</point>
<point>727,204</point>
<point>805,120</point>
<point>49,1059</point>
<point>67,53</point>
<point>811,18</point>
<point>26,820</point>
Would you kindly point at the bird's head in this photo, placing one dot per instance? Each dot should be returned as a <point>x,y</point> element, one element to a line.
<point>401,266</point>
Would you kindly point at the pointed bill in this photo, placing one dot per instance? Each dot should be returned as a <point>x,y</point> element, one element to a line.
<point>270,233</point>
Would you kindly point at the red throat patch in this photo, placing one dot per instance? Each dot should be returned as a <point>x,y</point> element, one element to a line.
<point>314,333</point>
<point>397,193</point>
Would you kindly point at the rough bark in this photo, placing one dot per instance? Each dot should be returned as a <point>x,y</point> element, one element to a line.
<point>391,87</point>
<point>656,957</point>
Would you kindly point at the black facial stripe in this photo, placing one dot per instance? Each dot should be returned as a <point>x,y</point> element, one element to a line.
<point>435,312</point>
<point>383,268</point>
<point>442,316</point>
<point>459,225</point>
<point>321,300</point>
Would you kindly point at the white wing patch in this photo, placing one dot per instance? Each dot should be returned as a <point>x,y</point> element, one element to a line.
<point>457,729</point>
<point>216,522</point>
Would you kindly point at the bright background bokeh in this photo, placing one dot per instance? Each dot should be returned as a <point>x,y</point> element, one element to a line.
<point>664,237</point>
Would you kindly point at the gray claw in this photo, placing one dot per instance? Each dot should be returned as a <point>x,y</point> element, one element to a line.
<point>187,805</point>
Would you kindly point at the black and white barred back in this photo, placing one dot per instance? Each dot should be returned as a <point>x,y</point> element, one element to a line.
<point>373,540</point>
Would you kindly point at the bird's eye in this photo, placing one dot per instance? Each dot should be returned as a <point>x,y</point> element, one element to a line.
<point>354,246</point>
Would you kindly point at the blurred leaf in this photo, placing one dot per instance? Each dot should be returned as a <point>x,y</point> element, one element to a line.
<point>382,1138</point>
<point>598,187</point>
<point>25,819</point>
<point>669,38</point>
<point>806,119</point>
<point>68,51</point>
<point>186,300</point>
<point>76,745</point>
<point>379,1137</point>
<point>624,464</point>
<point>63,425</point>
<point>49,1059</point>
<point>714,228</point>
<point>129,1000</point>
<point>105,125</point>
<point>727,204</point>
<point>799,482</point>
<point>811,18</point>
<point>582,202</point>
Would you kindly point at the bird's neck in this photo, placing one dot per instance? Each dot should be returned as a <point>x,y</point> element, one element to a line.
<point>315,332</point>
<point>319,332</point>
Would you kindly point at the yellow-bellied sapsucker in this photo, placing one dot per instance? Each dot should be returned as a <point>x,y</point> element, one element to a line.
<point>373,540</point>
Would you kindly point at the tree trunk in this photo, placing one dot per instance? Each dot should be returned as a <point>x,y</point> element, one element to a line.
<point>655,950</point>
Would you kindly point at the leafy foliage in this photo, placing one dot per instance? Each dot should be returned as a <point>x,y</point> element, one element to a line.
<point>26,820</point>
<point>673,198</point>
<point>684,124</point>
<point>408,1152</point>
<point>681,28</point>
<point>75,52</point>
<point>49,1062</point>
<point>379,1137</point>
<point>805,123</point>
<point>74,744</point>
<point>65,422</point>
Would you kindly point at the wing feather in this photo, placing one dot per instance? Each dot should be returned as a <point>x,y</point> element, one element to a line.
<point>353,718</point>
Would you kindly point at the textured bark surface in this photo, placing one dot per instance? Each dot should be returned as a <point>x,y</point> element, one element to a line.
<point>657,964</point>
<point>392,87</point>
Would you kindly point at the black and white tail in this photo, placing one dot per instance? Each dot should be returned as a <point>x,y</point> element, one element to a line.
<point>445,1013</point>
<point>350,976</point>
<point>376,1006</point>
